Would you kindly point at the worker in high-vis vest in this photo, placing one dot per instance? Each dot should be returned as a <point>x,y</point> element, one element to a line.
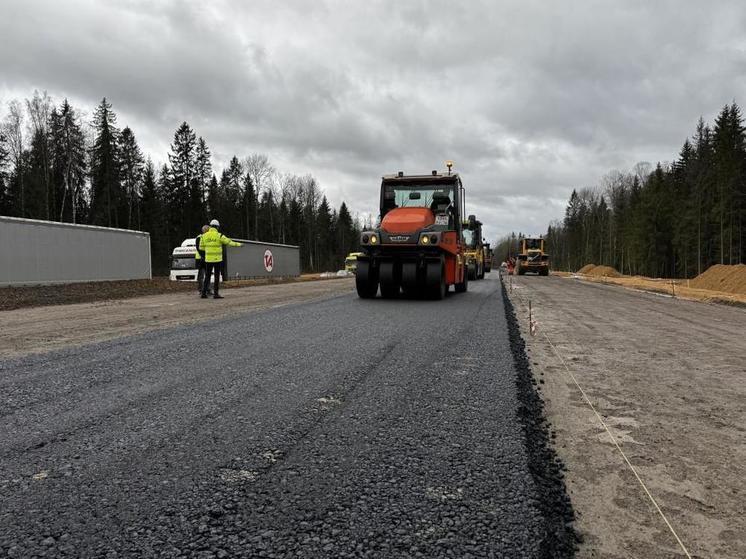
<point>199,258</point>
<point>212,243</point>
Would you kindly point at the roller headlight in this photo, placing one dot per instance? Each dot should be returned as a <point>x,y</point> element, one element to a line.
<point>365,239</point>
<point>373,239</point>
<point>424,240</point>
<point>433,239</point>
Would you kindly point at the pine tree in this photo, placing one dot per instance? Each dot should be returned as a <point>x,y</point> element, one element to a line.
<point>108,204</point>
<point>345,234</point>
<point>40,195</point>
<point>728,143</point>
<point>69,162</point>
<point>131,165</point>
<point>203,168</point>
<point>186,199</point>
<point>323,236</point>
<point>37,176</point>
<point>153,219</point>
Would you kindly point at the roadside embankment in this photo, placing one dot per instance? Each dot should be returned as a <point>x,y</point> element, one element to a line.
<point>36,329</point>
<point>722,284</point>
<point>645,396</point>
<point>20,297</point>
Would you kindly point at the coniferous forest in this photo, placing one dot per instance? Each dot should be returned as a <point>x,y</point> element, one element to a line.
<point>57,165</point>
<point>671,220</point>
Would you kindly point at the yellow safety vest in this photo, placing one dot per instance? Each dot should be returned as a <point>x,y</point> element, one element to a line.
<point>197,248</point>
<point>212,243</point>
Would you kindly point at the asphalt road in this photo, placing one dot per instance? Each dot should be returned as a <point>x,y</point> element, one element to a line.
<point>335,428</point>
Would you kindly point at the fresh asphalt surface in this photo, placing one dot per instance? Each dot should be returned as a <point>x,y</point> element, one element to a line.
<point>335,428</point>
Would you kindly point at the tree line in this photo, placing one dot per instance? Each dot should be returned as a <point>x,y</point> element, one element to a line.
<point>56,166</point>
<point>674,220</point>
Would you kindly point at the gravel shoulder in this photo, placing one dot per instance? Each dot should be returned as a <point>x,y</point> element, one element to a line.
<point>667,376</point>
<point>40,329</point>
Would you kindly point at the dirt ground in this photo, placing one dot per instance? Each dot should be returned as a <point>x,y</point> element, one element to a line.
<point>88,292</point>
<point>724,284</point>
<point>667,376</point>
<point>39,329</point>
<point>675,288</point>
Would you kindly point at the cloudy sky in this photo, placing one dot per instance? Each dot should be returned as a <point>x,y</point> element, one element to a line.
<point>529,98</point>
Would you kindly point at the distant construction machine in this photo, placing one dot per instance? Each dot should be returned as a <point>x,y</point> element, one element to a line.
<point>488,256</point>
<point>532,257</point>
<point>417,248</point>
<point>474,248</point>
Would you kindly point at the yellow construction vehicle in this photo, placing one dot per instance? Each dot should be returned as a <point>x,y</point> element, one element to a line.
<point>488,256</point>
<point>351,262</point>
<point>474,248</point>
<point>532,257</point>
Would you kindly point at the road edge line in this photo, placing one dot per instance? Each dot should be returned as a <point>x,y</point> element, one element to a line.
<point>560,538</point>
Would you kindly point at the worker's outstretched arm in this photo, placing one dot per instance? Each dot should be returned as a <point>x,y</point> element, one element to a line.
<point>230,242</point>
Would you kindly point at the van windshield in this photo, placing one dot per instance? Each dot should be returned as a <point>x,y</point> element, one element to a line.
<point>183,263</point>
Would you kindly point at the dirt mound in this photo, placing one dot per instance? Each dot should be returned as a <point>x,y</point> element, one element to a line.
<point>604,272</point>
<point>587,268</point>
<point>721,277</point>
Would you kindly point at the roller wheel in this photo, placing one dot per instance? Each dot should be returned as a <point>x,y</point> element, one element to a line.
<point>389,290</point>
<point>366,280</point>
<point>462,287</point>
<point>436,280</point>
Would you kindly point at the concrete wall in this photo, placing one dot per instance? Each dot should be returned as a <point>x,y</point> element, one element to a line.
<point>47,252</point>
<point>247,261</point>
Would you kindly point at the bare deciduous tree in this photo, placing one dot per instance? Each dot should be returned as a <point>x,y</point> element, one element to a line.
<point>260,170</point>
<point>13,132</point>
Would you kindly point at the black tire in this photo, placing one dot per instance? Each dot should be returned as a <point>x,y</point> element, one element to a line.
<point>366,280</point>
<point>472,272</point>
<point>544,272</point>
<point>464,286</point>
<point>481,274</point>
<point>435,276</point>
<point>389,290</point>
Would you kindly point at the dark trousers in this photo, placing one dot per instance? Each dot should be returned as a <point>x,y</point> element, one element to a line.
<point>209,267</point>
<point>201,275</point>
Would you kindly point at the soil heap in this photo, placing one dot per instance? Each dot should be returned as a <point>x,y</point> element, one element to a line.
<point>604,272</point>
<point>722,277</point>
<point>587,268</point>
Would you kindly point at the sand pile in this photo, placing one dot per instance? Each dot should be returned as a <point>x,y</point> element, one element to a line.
<point>604,272</point>
<point>587,268</point>
<point>721,277</point>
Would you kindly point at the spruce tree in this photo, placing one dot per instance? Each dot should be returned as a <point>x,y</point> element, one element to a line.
<point>108,204</point>
<point>69,162</point>
<point>131,165</point>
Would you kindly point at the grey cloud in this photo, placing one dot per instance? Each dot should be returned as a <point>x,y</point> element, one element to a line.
<point>529,98</point>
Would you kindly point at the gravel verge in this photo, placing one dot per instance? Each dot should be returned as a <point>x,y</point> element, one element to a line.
<point>559,539</point>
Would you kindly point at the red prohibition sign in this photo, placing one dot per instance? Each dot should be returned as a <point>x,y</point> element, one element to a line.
<point>268,260</point>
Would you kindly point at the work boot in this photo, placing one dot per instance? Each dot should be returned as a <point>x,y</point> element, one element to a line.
<point>216,296</point>
<point>203,296</point>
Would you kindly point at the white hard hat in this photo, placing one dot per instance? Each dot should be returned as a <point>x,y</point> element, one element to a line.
<point>215,223</point>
